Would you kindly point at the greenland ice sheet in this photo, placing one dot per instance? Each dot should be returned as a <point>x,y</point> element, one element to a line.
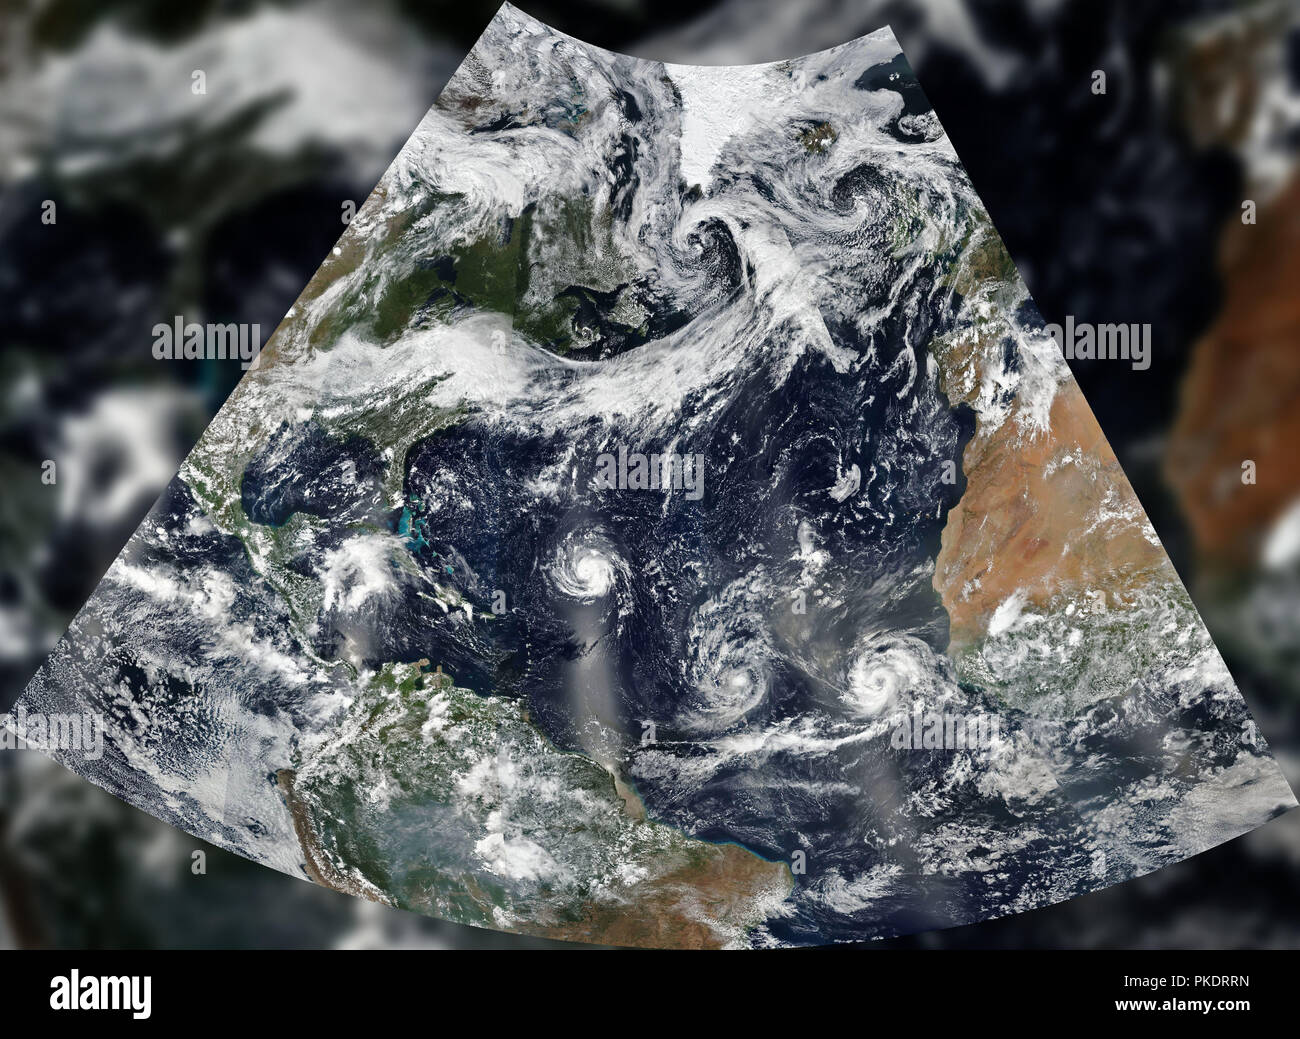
<point>665,520</point>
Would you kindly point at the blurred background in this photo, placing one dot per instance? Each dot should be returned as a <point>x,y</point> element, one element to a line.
<point>1125,207</point>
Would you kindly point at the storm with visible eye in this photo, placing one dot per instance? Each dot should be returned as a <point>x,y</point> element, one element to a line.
<point>493,679</point>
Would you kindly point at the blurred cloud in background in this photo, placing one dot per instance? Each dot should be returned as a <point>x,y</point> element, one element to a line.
<point>1123,208</point>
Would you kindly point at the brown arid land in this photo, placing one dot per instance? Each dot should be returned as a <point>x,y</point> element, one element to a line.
<point>702,905</point>
<point>1240,400</point>
<point>1047,513</point>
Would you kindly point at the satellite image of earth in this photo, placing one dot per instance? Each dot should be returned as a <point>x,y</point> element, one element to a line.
<point>657,444</point>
